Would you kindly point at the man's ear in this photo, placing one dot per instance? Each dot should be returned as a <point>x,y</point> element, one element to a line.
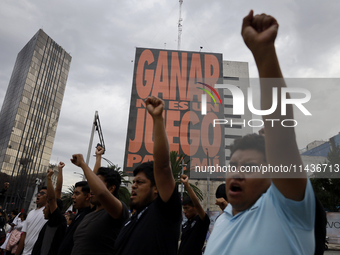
<point>112,188</point>
<point>154,190</point>
<point>88,196</point>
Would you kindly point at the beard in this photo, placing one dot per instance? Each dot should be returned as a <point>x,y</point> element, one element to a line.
<point>141,204</point>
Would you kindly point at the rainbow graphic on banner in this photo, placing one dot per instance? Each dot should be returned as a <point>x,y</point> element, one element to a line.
<point>204,97</point>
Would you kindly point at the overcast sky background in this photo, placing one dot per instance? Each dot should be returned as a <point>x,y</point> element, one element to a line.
<point>101,37</point>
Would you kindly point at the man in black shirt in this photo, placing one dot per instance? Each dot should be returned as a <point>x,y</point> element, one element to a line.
<point>81,201</point>
<point>155,226</point>
<point>195,229</point>
<point>98,231</point>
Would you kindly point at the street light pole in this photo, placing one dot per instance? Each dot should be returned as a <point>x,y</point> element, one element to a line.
<point>208,183</point>
<point>91,141</point>
<point>182,183</point>
<point>32,203</point>
<point>95,126</point>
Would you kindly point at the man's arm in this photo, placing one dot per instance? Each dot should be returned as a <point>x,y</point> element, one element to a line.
<point>99,152</point>
<point>164,179</point>
<point>110,203</point>
<point>59,185</point>
<point>259,33</point>
<point>21,244</point>
<point>193,197</point>
<point>51,197</point>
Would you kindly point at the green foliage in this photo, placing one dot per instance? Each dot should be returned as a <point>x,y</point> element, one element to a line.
<point>328,189</point>
<point>176,166</point>
<point>67,198</point>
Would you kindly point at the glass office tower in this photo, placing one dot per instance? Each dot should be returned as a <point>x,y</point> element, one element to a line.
<point>29,116</point>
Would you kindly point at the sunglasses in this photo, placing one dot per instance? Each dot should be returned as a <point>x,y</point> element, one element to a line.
<point>41,193</point>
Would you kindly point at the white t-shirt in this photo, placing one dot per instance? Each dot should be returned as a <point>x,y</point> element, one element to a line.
<point>32,226</point>
<point>18,224</point>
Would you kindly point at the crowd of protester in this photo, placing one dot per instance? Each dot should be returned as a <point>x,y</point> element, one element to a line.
<point>267,215</point>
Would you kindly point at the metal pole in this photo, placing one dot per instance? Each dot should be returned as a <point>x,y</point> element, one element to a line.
<point>208,182</point>
<point>35,192</point>
<point>182,183</point>
<point>179,25</point>
<point>91,141</point>
<point>182,186</point>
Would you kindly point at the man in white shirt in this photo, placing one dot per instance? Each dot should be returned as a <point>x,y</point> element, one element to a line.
<point>32,225</point>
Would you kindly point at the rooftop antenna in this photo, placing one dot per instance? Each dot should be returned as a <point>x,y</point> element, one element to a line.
<point>179,25</point>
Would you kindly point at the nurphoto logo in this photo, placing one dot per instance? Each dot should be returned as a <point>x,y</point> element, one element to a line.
<point>239,102</point>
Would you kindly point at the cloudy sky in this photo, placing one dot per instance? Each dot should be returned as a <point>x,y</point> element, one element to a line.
<point>101,37</point>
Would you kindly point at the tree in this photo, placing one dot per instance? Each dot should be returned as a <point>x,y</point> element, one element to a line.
<point>67,198</point>
<point>176,166</point>
<point>328,189</point>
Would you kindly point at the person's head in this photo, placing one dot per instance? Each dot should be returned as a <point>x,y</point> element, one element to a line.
<point>189,209</point>
<point>221,197</point>
<point>23,216</point>
<point>14,213</point>
<point>243,189</point>
<point>220,192</point>
<point>81,195</point>
<point>112,181</point>
<point>41,197</point>
<point>144,189</point>
<point>70,219</point>
<point>69,212</point>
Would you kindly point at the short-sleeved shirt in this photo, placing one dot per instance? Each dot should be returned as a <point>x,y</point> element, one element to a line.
<point>51,235</point>
<point>97,233</point>
<point>193,236</point>
<point>67,244</point>
<point>153,230</point>
<point>273,225</point>
<point>32,225</point>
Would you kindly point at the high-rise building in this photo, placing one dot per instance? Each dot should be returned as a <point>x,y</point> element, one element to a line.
<point>235,73</point>
<point>30,114</point>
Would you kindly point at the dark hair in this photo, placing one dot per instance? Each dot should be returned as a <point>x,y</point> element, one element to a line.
<point>84,187</point>
<point>43,187</point>
<point>220,192</point>
<point>147,169</point>
<point>111,177</point>
<point>24,215</point>
<point>249,142</point>
<point>187,201</point>
<point>15,211</point>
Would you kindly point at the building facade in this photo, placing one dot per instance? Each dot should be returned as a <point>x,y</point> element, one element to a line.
<point>29,116</point>
<point>234,73</point>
